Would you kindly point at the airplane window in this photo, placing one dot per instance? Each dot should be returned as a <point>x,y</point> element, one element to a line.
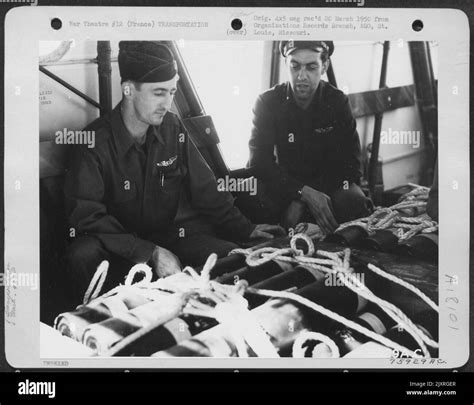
<point>434,47</point>
<point>228,77</point>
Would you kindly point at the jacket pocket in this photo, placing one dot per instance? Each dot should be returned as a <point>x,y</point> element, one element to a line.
<point>167,182</point>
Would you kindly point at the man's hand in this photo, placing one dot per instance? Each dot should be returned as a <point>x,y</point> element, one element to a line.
<point>264,231</point>
<point>319,205</point>
<point>164,262</point>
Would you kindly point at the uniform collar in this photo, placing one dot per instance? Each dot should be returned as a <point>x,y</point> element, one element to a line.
<point>122,138</point>
<point>315,102</point>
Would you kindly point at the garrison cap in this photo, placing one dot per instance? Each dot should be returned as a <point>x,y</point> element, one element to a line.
<point>146,62</point>
<point>287,47</point>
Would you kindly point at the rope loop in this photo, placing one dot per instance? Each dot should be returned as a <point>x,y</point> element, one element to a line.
<point>97,282</point>
<point>307,240</point>
<point>137,269</point>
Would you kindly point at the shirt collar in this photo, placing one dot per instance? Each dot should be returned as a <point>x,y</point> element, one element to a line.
<point>122,138</point>
<point>314,102</point>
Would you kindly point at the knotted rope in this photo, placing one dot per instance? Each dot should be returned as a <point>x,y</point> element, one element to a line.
<point>197,295</point>
<point>395,216</point>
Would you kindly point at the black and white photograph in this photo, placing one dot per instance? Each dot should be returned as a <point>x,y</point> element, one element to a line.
<point>268,199</point>
<point>236,198</point>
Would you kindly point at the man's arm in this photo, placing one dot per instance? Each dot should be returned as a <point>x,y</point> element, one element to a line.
<point>87,212</point>
<point>262,159</point>
<point>217,206</point>
<point>342,167</point>
<point>346,164</point>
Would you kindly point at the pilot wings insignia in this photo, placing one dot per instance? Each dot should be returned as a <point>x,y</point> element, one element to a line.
<point>166,163</point>
<point>323,130</point>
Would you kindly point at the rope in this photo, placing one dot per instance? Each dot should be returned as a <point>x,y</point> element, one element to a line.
<point>241,323</point>
<point>139,268</point>
<point>227,306</point>
<point>231,310</point>
<point>240,251</point>
<point>339,263</point>
<point>395,313</point>
<point>181,300</point>
<point>391,217</point>
<point>417,189</point>
<point>334,316</point>
<point>98,280</point>
<point>403,283</point>
<point>305,238</point>
<point>200,296</point>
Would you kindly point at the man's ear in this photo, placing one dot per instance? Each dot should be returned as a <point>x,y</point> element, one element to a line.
<point>325,66</point>
<point>127,89</point>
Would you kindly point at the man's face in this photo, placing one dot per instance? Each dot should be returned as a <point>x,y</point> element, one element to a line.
<point>305,69</point>
<point>151,101</point>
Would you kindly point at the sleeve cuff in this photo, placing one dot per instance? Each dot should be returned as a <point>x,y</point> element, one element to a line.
<point>141,251</point>
<point>237,230</point>
<point>242,233</point>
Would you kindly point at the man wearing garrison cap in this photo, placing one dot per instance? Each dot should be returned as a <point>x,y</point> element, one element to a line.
<point>122,196</point>
<point>304,146</point>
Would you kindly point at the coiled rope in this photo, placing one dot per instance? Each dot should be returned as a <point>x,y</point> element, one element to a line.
<point>395,216</point>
